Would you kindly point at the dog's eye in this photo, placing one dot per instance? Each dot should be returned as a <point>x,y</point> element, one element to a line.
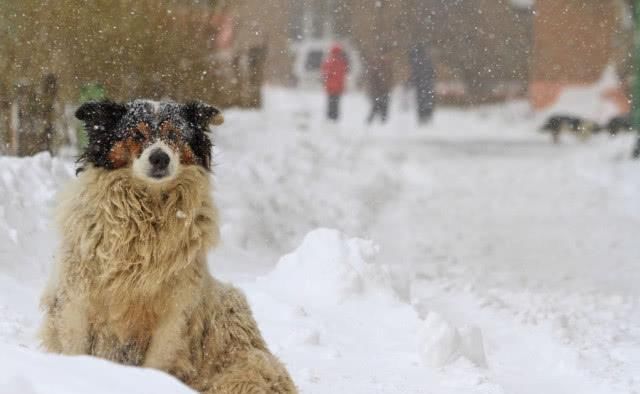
<point>138,136</point>
<point>172,136</point>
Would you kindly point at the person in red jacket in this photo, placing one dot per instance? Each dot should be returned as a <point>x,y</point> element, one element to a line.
<point>334,73</point>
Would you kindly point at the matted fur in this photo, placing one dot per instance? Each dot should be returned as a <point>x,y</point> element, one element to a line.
<point>132,285</point>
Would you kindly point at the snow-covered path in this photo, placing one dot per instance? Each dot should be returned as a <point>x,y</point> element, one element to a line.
<point>543,259</point>
<point>500,263</point>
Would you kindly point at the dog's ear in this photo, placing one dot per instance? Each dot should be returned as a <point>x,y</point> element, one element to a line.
<point>202,115</point>
<point>101,115</point>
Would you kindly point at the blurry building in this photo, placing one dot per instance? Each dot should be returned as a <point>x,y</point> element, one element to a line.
<point>574,42</point>
<point>483,48</point>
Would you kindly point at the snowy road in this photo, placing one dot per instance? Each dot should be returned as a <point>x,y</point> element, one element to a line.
<point>500,263</point>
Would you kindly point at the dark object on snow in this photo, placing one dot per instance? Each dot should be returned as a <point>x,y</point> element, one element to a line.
<point>582,128</point>
<point>379,83</point>
<point>334,74</point>
<point>619,124</point>
<point>380,106</point>
<point>423,79</point>
<point>636,150</point>
<point>333,108</point>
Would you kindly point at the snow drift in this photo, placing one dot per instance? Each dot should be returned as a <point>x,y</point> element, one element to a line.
<point>327,269</point>
<point>28,372</point>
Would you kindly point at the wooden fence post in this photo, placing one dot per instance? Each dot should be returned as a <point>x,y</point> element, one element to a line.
<point>33,116</point>
<point>5,120</point>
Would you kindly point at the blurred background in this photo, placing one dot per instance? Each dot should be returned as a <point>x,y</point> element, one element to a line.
<point>55,55</point>
<point>483,146</point>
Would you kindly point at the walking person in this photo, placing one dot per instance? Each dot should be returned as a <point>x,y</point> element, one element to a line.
<point>334,73</point>
<point>379,79</point>
<point>423,79</point>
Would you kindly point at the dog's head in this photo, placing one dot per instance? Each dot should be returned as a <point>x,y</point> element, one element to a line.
<point>153,139</point>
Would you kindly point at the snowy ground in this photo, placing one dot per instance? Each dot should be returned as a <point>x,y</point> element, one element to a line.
<point>498,262</point>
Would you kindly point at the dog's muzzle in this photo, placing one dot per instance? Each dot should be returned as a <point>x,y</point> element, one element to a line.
<point>158,163</point>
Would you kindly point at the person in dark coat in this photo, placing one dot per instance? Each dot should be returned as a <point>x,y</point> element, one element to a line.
<point>379,80</point>
<point>334,74</point>
<point>423,79</point>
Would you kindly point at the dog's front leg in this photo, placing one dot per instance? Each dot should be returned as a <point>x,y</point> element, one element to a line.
<point>168,349</point>
<point>73,326</point>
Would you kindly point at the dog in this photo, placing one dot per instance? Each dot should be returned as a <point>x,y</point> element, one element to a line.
<point>131,282</point>
<point>619,124</point>
<point>582,128</point>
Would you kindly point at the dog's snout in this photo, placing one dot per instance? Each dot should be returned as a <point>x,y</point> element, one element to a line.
<point>159,159</point>
<point>157,163</point>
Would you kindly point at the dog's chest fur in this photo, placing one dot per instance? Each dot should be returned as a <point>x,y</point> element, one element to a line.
<point>136,244</point>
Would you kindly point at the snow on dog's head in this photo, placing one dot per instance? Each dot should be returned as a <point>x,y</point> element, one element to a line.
<point>153,139</point>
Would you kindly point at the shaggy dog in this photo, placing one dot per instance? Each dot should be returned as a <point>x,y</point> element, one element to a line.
<point>582,128</point>
<point>131,283</point>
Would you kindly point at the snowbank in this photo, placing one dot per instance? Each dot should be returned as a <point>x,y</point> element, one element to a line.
<point>589,102</point>
<point>442,343</point>
<point>27,190</point>
<point>329,300</point>
<point>327,269</point>
<point>29,372</point>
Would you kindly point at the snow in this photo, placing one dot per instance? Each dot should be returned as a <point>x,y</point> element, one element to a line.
<point>443,343</point>
<point>589,101</point>
<point>29,372</point>
<point>523,3</point>
<point>328,269</point>
<point>467,256</point>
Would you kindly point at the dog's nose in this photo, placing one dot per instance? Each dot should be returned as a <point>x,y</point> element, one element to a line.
<point>159,159</point>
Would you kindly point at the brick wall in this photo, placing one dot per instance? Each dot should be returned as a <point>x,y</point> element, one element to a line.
<point>572,45</point>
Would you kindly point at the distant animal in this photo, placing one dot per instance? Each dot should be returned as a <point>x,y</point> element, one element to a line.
<point>619,124</point>
<point>131,281</point>
<point>581,128</point>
